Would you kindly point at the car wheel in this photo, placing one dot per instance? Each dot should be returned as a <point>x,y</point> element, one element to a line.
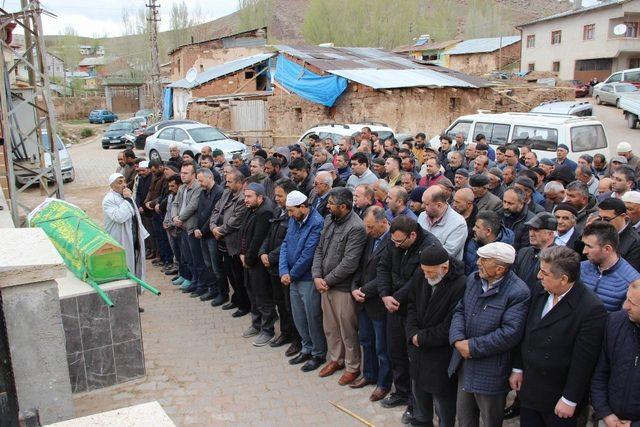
<point>618,103</point>
<point>154,155</point>
<point>598,102</point>
<point>105,147</point>
<point>632,120</point>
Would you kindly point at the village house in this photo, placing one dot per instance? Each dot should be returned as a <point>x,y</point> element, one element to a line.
<point>314,84</point>
<point>482,56</point>
<point>55,66</point>
<point>428,50</point>
<point>209,53</point>
<point>585,42</point>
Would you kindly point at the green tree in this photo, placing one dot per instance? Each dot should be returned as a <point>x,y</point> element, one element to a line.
<point>68,48</point>
<point>254,13</point>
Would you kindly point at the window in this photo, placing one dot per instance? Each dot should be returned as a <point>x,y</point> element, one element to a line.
<point>634,62</point>
<point>632,29</point>
<point>614,78</point>
<point>454,103</point>
<point>632,76</point>
<point>532,66</point>
<point>459,127</point>
<point>590,137</point>
<point>531,41</point>
<point>589,32</point>
<point>180,135</point>
<point>166,134</point>
<point>248,75</point>
<point>556,66</point>
<point>543,139</point>
<point>496,134</point>
<point>201,67</point>
<point>206,134</point>
<point>556,37</point>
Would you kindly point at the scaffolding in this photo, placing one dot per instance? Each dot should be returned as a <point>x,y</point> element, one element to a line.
<point>15,135</point>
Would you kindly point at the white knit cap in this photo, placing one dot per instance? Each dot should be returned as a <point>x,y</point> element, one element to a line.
<point>499,251</point>
<point>295,198</point>
<point>114,176</point>
<point>623,147</point>
<point>631,197</point>
<point>143,164</point>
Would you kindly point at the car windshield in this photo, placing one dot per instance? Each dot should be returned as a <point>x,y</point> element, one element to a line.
<point>121,126</point>
<point>206,134</point>
<point>47,147</point>
<point>626,88</point>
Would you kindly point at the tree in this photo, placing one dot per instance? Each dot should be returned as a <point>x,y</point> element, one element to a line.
<point>254,13</point>
<point>68,48</point>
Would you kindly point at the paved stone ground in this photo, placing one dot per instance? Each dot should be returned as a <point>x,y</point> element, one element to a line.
<point>199,368</point>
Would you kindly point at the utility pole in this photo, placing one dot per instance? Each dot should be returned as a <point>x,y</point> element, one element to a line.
<point>156,86</point>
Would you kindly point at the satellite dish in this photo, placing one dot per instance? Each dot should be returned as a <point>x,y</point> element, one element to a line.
<point>192,73</point>
<point>620,29</point>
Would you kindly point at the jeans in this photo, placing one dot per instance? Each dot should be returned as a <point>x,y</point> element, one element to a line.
<point>212,260</point>
<point>423,403</point>
<point>307,315</point>
<point>376,366</point>
<point>195,261</point>
<point>162,242</point>
<point>181,252</point>
<point>263,310</point>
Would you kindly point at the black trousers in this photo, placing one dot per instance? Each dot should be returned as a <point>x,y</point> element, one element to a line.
<point>235,272</point>
<point>398,355</point>
<point>263,309</point>
<point>532,418</point>
<point>282,301</point>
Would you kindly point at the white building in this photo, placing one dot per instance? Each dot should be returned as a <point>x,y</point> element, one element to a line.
<point>55,65</point>
<point>580,44</point>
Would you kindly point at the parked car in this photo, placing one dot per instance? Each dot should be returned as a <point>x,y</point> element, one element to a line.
<point>631,75</point>
<point>630,105</point>
<point>66,164</point>
<point>141,138</point>
<point>543,132</point>
<point>610,93</point>
<point>335,131</point>
<point>140,122</point>
<point>581,89</point>
<point>190,138</point>
<point>102,116</point>
<point>572,108</point>
<point>113,136</point>
<point>146,112</point>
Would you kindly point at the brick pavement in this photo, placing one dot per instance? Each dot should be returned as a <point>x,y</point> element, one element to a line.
<point>198,366</point>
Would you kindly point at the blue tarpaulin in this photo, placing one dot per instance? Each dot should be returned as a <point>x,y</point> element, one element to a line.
<point>167,104</point>
<point>319,89</point>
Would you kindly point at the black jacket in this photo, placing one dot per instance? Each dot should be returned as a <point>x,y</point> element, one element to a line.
<point>206,203</point>
<point>558,352</point>
<point>629,247</point>
<point>527,266</point>
<point>429,317</point>
<point>516,224</point>
<point>614,386</point>
<point>583,215</point>
<point>271,245</point>
<point>255,227</point>
<point>396,269</point>
<point>306,186</point>
<point>144,184</point>
<point>366,277</point>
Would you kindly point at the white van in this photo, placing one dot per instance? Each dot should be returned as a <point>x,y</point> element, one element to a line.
<point>336,131</point>
<point>543,132</point>
<point>632,75</point>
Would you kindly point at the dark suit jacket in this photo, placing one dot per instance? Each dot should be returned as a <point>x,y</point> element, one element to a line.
<point>366,277</point>
<point>429,317</point>
<point>255,228</point>
<point>559,351</point>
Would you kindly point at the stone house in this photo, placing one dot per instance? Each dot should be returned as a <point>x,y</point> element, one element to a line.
<point>482,56</point>
<point>433,52</point>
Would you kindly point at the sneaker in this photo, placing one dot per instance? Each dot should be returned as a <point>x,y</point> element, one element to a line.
<point>178,281</point>
<point>262,339</point>
<point>250,332</point>
<point>393,400</point>
<point>185,284</point>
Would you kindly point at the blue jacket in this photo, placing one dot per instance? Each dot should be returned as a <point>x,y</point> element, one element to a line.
<point>471,253</point>
<point>299,246</point>
<point>610,286</point>
<point>493,322</point>
<point>614,385</point>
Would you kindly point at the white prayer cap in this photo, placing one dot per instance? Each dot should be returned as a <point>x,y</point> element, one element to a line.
<point>623,147</point>
<point>114,176</point>
<point>631,197</point>
<point>143,164</point>
<point>295,198</point>
<point>499,251</point>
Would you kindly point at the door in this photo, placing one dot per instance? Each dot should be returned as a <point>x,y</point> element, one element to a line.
<point>179,137</point>
<point>608,95</point>
<point>164,140</point>
<point>248,115</point>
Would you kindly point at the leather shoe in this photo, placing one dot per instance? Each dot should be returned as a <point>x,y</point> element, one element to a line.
<point>407,417</point>
<point>293,349</point>
<point>302,357</point>
<point>198,292</point>
<point>348,378</point>
<point>312,364</point>
<point>229,306</point>
<point>191,288</point>
<point>279,341</point>
<point>239,313</point>
<point>219,300</point>
<point>361,382</point>
<point>378,394</point>
<point>207,296</point>
<point>330,368</point>
<point>171,271</point>
<point>394,400</point>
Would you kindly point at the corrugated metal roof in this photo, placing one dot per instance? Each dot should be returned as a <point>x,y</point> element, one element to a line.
<point>429,46</point>
<point>490,44</point>
<point>89,62</point>
<point>222,70</point>
<point>601,4</point>
<point>391,79</point>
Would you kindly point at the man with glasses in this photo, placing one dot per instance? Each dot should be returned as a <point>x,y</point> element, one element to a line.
<point>512,156</point>
<point>614,212</point>
<point>605,272</point>
<point>395,271</point>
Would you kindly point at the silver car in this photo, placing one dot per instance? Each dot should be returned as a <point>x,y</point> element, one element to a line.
<point>609,93</point>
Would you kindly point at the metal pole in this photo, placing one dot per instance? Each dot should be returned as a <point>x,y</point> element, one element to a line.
<point>8,143</point>
<point>156,85</point>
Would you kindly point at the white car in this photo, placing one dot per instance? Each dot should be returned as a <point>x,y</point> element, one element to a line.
<point>66,165</point>
<point>190,138</point>
<point>336,131</point>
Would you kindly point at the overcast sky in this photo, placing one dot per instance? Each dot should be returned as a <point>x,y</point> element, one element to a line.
<point>91,17</point>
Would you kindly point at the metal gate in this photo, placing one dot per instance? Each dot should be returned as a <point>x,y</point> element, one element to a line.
<point>248,115</point>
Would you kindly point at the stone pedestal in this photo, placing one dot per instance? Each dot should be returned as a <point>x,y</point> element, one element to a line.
<point>28,265</point>
<point>104,344</point>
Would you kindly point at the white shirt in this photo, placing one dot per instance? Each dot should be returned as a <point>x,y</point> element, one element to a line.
<point>564,239</point>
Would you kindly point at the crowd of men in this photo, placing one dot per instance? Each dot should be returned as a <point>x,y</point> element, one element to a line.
<point>444,278</point>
